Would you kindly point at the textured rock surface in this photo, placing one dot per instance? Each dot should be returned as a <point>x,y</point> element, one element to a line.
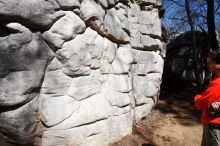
<point>77,72</point>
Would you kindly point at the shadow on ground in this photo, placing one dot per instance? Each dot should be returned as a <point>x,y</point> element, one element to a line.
<point>179,102</point>
<point>174,121</point>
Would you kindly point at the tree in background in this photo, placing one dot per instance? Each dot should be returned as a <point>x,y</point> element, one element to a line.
<point>176,19</point>
<point>211,24</point>
<point>194,15</point>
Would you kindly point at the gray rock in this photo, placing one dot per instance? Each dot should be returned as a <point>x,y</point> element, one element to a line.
<point>117,128</point>
<point>21,125</point>
<point>142,111</point>
<point>144,88</point>
<point>23,60</point>
<point>90,111</point>
<point>68,4</point>
<point>58,34</point>
<point>81,135</point>
<point>109,52</point>
<point>115,29</point>
<point>55,82</point>
<point>104,3</point>
<point>157,3</point>
<point>150,23</point>
<point>121,63</point>
<point>145,29</point>
<point>147,62</point>
<point>94,72</point>
<point>92,13</point>
<point>75,55</point>
<point>37,15</point>
<point>111,2</point>
<point>85,86</point>
<point>62,106</point>
<point>113,80</point>
<point>117,99</point>
<point>24,56</point>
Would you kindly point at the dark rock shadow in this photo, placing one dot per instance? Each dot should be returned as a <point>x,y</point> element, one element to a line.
<point>179,100</point>
<point>145,144</point>
<point>4,31</point>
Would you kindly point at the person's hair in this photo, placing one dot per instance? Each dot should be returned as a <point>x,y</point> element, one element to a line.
<point>215,55</point>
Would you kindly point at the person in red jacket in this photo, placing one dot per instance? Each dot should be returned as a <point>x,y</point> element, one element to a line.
<point>209,103</point>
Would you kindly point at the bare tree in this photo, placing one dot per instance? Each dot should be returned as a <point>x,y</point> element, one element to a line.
<point>211,24</point>
<point>193,15</point>
<point>196,57</point>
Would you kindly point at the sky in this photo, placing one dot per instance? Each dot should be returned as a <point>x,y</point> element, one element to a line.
<point>175,18</point>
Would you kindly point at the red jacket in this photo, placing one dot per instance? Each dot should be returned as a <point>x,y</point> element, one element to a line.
<point>203,101</point>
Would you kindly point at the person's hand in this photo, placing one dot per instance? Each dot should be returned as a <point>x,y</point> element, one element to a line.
<point>216,106</point>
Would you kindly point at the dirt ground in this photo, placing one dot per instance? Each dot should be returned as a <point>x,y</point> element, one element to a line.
<point>173,122</point>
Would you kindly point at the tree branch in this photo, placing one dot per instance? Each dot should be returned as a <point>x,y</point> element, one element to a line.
<point>180,19</point>
<point>177,3</point>
<point>217,7</point>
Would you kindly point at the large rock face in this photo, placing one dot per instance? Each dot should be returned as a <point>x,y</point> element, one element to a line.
<point>77,72</point>
<point>179,66</point>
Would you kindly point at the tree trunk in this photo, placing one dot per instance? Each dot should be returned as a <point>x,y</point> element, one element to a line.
<point>196,51</point>
<point>211,25</point>
<point>212,39</point>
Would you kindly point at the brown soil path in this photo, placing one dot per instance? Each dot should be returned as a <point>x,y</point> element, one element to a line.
<point>174,122</point>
